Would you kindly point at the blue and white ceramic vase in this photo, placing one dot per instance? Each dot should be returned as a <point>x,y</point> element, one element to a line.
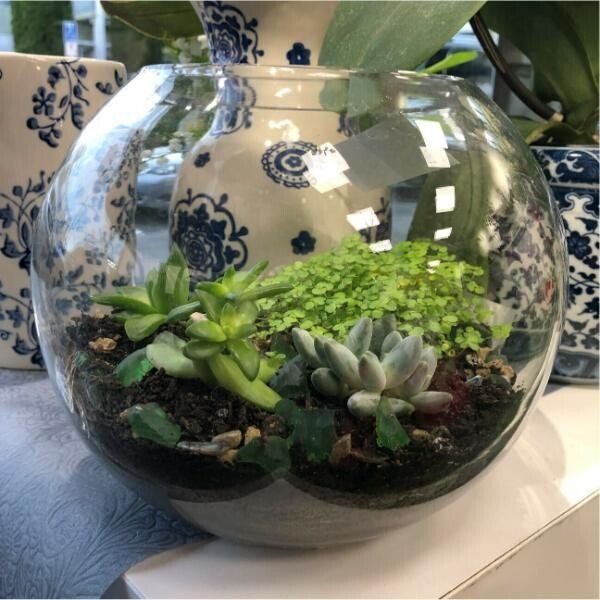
<point>219,216</point>
<point>45,103</point>
<point>572,173</point>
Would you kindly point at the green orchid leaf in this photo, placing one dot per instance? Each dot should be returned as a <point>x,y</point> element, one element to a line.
<point>228,278</point>
<point>246,356</point>
<point>123,315</point>
<point>130,298</point>
<point>454,59</point>
<point>165,20</point>
<point>133,368</point>
<point>166,352</point>
<point>313,429</point>
<point>390,433</point>
<point>149,421</point>
<point>386,36</point>
<point>268,368</point>
<point>202,350</point>
<point>565,70</point>
<point>273,455</point>
<point>155,291</point>
<point>206,331</point>
<point>265,291</point>
<point>139,328</point>
<point>183,312</point>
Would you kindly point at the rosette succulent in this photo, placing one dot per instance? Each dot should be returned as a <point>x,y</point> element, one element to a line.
<point>374,363</point>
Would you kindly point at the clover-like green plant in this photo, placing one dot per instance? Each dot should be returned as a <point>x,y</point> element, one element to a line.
<point>374,363</point>
<point>431,292</point>
<point>145,308</point>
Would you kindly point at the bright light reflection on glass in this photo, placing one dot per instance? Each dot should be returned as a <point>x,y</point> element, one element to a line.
<point>382,246</point>
<point>442,234</point>
<point>444,199</point>
<point>362,219</point>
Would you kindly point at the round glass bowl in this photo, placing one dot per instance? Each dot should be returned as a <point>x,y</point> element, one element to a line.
<point>298,306</point>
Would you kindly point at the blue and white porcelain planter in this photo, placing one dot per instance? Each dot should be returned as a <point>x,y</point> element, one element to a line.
<point>46,101</point>
<point>217,210</point>
<point>572,173</point>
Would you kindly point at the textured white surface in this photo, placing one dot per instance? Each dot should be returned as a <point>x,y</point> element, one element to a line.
<point>554,465</point>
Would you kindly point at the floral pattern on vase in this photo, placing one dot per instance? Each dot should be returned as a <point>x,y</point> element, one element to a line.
<point>573,177</point>
<point>234,38</point>
<point>283,163</point>
<point>206,231</point>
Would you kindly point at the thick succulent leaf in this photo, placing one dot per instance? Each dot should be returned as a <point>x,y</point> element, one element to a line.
<point>273,455</point>
<point>400,407</point>
<point>431,402</point>
<point>211,305</point>
<point>141,327</point>
<point>268,367</point>
<point>130,298</point>
<point>359,337</point>
<point>202,350</point>
<point>320,349</point>
<point>214,288</point>
<point>364,403</point>
<point>265,291</point>
<point>400,363</point>
<point>246,356</point>
<point>305,346</point>
<point>371,373</point>
<point>166,352</point>
<point>566,66</point>
<point>165,20</point>
<point>416,382</point>
<point>248,278</point>
<point>181,285</point>
<point>343,363</point>
<point>183,312</point>
<point>230,376</point>
<point>454,59</point>
<point>391,340</point>
<point>150,421</point>
<point>326,383</point>
<point>386,36</point>
<point>206,331</point>
<point>390,433</point>
<point>236,321</point>
<point>381,328</point>
<point>133,368</point>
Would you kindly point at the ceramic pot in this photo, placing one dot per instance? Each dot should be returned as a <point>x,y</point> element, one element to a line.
<point>46,102</point>
<point>216,211</point>
<point>572,173</point>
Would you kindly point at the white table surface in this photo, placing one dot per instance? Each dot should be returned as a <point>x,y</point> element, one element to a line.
<point>548,473</point>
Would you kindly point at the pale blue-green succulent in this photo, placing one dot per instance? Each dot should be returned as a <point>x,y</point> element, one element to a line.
<point>374,362</point>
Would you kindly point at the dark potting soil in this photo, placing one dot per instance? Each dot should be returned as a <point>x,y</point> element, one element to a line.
<point>440,445</point>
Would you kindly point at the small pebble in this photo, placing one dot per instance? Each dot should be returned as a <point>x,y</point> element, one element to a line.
<point>230,439</point>
<point>103,344</point>
<point>420,435</point>
<point>228,456</point>
<point>252,433</point>
<point>204,448</point>
<point>197,317</point>
<point>341,449</point>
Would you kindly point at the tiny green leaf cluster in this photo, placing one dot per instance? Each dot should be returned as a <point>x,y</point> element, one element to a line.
<point>431,292</point>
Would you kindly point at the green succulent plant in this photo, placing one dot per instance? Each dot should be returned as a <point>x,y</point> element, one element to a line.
<point>373,364</point>
<point>218,350</point>
<point>145,308</point>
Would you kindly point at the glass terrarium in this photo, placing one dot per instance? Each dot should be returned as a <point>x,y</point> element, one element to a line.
<point>298,306</point>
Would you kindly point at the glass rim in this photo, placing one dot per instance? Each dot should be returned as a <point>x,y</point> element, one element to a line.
<point>295,72</point>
